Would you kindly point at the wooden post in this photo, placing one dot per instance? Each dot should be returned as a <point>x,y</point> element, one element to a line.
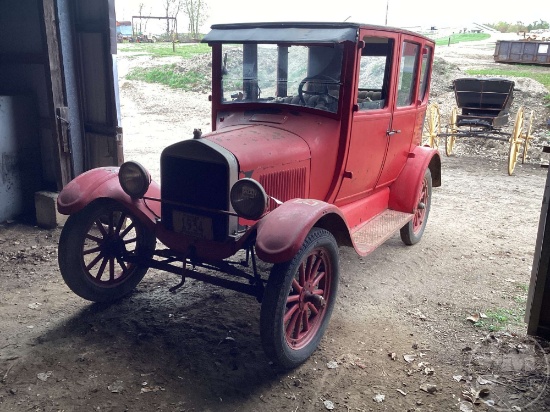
<point>537,314</point>
<point>56,93</point>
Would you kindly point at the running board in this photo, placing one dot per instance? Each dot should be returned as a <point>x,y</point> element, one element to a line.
<point>379,229</point>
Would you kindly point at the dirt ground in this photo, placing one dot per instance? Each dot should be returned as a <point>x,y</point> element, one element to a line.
<point>399,338</point>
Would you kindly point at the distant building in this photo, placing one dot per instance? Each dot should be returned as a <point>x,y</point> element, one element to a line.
<point>124,29</point>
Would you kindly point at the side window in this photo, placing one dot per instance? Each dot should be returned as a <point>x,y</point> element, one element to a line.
<point>407,74</point>
<point>375,73</point>
<point>424,72</point>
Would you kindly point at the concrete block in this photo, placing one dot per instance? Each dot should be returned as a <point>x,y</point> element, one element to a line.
<point>47,215</point>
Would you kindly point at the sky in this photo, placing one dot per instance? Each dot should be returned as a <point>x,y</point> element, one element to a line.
<point>400,13</point>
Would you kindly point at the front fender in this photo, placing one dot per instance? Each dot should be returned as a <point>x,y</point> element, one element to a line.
<point>102,182</point>
<point>281,233</point>
<point>404,191</point>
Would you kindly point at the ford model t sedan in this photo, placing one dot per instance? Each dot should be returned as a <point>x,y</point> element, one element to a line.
<point>315,144</point>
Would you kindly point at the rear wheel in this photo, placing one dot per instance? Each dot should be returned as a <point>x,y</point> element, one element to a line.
<point>92,248</point>
<point>451,132</point>
<point>432,126</point>
<point>299,299</point>
<point>412,232</point>
<point>527,137</point>
<point>515,141</point>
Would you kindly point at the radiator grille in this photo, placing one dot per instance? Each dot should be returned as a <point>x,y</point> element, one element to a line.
<point>284,185</point>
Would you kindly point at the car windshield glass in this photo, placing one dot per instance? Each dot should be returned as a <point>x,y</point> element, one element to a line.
<point>282,74</point>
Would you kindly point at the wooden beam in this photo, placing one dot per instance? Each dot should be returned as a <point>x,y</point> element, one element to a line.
<point>56,89</point>
<point>538,300</point>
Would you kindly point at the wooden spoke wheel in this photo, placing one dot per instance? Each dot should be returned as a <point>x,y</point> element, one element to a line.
<point>451,132</point>
<point>432,126</point>
<point>298,300</point>
<point>527,137</point>
<point>515,141</point>
<point>92,250</point>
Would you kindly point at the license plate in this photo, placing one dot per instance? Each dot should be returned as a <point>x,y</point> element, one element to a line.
<point>192,225</point>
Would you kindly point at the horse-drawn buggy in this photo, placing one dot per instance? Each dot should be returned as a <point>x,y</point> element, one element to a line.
<point>482,110</point>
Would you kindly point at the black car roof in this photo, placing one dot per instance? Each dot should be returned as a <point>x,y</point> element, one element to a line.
<point>292,32</point>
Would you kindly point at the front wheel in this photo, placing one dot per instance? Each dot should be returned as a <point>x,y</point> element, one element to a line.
<point>299,299</point>
<point>92,249</point>
<point>412,232</point>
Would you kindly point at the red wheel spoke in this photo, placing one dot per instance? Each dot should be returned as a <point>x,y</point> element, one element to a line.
<point>101,268</point>
<point>121,221</point>
<point>319,292</point>
<point>95,239</point>
<point>312,308</point>
<point>292,324</point>
<point>93,250</point>
<point>125,232</point>
<point>122,265</point>
<point>293,298</point>
<point>291,311</point>
<point>298,324</point>
<point>316,265</point>
<point>296,286</point>
<point>111,268</point>
<point>301,275</point>
<point>318,278</point>
<point>94,262</point>
<point>100,227</point>
<point>309,266</point>
<point>305,322</point>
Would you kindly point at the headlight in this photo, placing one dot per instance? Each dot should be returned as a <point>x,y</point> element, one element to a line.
<point>134,179</point>
<point>249,199</point>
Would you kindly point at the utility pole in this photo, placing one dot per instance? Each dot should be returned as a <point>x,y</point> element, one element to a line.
<point>387,7</point>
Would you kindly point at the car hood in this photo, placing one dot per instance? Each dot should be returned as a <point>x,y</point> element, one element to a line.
<point>257,146</point>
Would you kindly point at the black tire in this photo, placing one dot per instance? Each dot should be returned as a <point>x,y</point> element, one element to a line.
<point>91,249</point>
<point>412,232</point>
<point>289,346</point>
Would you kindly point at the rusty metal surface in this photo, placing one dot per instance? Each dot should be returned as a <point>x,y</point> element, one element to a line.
<point>527,52</point>
<point>377,230</point>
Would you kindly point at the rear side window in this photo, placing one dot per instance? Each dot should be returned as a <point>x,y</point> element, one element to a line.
<point>375,73</point>
<point>407,74</point>
<point>424,72</point>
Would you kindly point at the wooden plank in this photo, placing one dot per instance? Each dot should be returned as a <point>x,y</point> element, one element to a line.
<point>538,301</point>
<point>56,89</point>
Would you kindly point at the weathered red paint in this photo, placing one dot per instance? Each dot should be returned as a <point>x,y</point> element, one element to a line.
<point>281,233</point>
<point>103,183</point>
<point>404,191</point>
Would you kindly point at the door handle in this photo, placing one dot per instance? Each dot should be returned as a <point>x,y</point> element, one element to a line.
<point>392,132</point>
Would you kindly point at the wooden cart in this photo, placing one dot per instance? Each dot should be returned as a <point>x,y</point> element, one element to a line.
<point>481,110</point>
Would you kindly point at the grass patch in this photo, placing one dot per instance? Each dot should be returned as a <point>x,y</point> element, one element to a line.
<point>164,49</point>
<point>500,319</point>
<point>169,75</point>
<point>461,37</point>
<point>540,74</point>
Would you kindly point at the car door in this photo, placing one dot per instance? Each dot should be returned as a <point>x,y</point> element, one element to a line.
<point>402,129</point>
<point>372,114</point>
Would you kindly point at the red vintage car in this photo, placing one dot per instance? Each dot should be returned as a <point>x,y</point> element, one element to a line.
<point>316,144</point>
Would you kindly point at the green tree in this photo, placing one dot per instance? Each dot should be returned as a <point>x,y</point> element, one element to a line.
<point>196,11</point>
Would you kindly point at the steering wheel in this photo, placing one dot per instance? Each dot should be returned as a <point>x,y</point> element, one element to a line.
<point>325,80</point>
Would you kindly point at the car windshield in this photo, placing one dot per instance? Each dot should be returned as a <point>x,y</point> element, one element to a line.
<point>282,74</point>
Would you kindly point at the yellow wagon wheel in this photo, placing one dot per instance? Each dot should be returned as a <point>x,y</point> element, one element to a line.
<point>527,137</point>
<point>432,126</point>
<point>451,132</point>
<point>515,141</point>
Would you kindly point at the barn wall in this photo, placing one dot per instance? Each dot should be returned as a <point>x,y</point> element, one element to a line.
<point>23,87</point>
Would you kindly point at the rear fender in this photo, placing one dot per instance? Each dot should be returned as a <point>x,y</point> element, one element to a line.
<point>404,191</point>
<point>281,233</point>
<point>103,182</point>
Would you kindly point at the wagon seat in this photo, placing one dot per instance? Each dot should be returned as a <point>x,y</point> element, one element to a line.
<point>484,102</point>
